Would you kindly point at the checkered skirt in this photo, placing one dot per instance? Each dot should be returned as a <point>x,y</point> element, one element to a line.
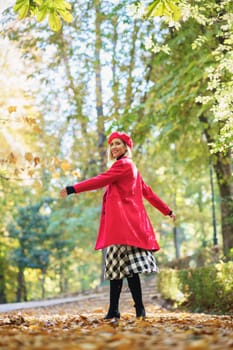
<point>122,261</point>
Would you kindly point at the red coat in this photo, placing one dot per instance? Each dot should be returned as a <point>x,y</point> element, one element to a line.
<point>124,219</point>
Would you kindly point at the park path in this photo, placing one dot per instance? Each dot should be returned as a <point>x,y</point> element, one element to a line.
<point>68,324</point>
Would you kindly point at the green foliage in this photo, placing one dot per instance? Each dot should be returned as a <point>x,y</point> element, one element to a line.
<point>30,231</point>
<point>203,289</point>
<point>164,8</point>
<point>162,112</point>
<point>191,93</point>
<point>209,40</point>
<point>58,243</point>
<point>55,10</point>
<point>202,257</point>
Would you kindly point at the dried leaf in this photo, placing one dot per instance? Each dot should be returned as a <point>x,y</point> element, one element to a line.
<point>28,156</point>
<point>37,129</point>
<point>80,326</point>
<point>31,172</point>
<point>56,175</point>
<point>36,161</point>
<point>11,158</point>
<point>201,344</point>
<point>16,172</point>
<point>55,161</point>
<point>30,121</point>
<point>76,173</point>
<point>65,165</point>
<point>12,109</point>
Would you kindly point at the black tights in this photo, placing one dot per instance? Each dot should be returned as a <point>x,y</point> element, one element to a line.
<point>134,284</point>
<point>115,291</point>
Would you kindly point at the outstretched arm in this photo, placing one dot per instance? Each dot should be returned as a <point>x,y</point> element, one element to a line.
<point>154,200</point>
<point>116,171</point>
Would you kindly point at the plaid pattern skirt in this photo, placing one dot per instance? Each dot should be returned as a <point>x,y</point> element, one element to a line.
<point>122,261</point>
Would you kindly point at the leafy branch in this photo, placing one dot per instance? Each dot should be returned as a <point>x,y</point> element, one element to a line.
<point>56,11</point>
<point>164,8</point>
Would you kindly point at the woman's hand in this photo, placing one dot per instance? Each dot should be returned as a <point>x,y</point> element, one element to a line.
<point>173,216</point>
<point>63,193</point>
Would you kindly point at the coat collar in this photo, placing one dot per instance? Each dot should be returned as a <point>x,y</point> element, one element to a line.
<point>122,156</point>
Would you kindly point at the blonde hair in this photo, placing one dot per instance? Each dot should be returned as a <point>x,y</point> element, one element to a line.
<point>128,152</point>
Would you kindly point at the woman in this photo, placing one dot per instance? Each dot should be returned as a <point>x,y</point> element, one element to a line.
<point>125,229</point>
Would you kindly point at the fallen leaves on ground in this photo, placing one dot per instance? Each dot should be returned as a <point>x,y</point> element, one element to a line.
<point>80,326</point>
<point>69,331</point>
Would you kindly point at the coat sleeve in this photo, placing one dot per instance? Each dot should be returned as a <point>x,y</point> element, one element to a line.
<point>153,199</point>
<point>113,174</point>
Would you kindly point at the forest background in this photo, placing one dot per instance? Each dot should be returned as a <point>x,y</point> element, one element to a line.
<point>72,72</point>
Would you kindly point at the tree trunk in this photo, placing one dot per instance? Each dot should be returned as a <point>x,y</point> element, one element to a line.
<point>132,52</point>
<point>99,99</point>
<point>200,204</point>
<point>42,284</point>
<point>78,90</point>
<point>176,242</point>
<point>223,169</point>
<point>115,81</point>
<point>61,277</point>
<point>3,299</point>
<point>21,293</point>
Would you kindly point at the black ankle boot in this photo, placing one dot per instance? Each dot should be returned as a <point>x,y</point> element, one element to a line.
<point>140,311</point>
<point>112,314</point>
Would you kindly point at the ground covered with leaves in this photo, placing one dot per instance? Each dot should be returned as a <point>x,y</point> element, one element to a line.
<point>80,326</point>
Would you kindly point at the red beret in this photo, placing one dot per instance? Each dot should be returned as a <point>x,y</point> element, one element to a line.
<point>122,136</point>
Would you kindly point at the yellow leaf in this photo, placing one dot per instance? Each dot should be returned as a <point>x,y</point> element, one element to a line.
<point>36,161</point>
<point>76,173</point>
<point>55,175</point>
<point>201,344</point>
<point>61,4</point>
<point>38,184</point>
<point>30,121</point>
<point>12,158</point>
<point>65,165</point>
<point>164,8</point>
<point>41,14</point>
<point>16,172</point>
<point>54,22</point>
<point>65,15</point>
<point>12,109</point>
<point>23,11</point>
<point>28,156</point>
<point>55,161</point>
<point>37,129</point>
<point>31,172</point>
<point>19,4</point>
<point>173,10</point>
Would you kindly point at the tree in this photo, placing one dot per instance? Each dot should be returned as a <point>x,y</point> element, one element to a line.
<point>198,61</point>
<point>29,229</point>
<point>3,298</point>
<point>94,75</point>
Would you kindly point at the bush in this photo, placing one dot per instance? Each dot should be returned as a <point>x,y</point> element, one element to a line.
<point>202,257</point>
<point>207,288</point>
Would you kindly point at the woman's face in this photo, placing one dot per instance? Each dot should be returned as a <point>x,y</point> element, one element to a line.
<point>117,148</point>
